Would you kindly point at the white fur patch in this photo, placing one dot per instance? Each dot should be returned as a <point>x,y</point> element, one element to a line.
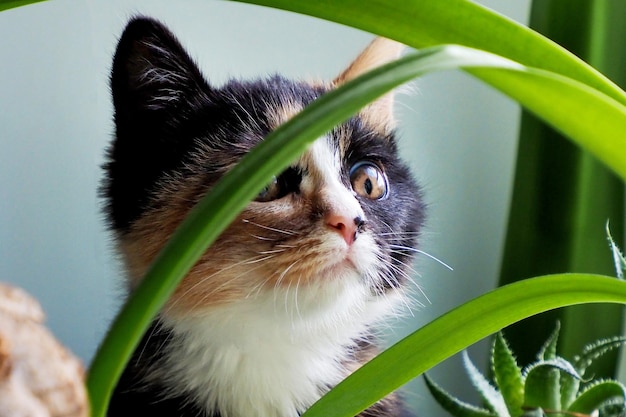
<point>274,355</point>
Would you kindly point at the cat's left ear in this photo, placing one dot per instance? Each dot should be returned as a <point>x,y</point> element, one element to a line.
<point>381,51</point>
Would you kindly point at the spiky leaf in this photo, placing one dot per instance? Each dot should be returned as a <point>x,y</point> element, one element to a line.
<point>492,398</point>
<point>453,405</point>
<point>595,350</point>
<point>508,375</point>
<point>548,350</point>
<point>618,257</point>
<point>612,409</point>
<point>542,386</point>
<point>597,395</point>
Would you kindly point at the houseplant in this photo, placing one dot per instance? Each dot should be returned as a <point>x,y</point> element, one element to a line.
<point>466,20</point>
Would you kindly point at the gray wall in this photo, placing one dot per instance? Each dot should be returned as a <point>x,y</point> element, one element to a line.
<point>55,120</point>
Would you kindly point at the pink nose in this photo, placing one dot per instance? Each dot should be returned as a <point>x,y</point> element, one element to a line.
<point>345,226</point>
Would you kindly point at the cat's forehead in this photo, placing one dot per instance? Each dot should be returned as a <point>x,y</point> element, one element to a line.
<point>275,99</point>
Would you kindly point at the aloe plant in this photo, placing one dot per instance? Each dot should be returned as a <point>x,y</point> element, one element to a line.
<point>550,385</point>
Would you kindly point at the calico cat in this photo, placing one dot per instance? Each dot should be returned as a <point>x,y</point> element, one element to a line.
<point>282,307</point>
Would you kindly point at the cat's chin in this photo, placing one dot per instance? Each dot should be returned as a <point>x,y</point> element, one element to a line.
<point>355,258</point>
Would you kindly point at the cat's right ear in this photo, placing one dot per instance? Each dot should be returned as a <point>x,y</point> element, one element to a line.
<point>153,78</point>
<point>158,92</point>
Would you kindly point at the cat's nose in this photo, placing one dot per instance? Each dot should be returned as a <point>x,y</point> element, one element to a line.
<point>347,227</point>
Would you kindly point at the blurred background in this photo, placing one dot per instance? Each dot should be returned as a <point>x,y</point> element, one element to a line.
<point>56,122</point>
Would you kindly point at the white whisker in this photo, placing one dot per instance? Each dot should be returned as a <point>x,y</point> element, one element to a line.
<point>273,229</point>
<point>434,258</point>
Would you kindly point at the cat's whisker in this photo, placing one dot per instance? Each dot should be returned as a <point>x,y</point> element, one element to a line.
<point>400,235</point>
<point>273,229</point>
<point>225,284</point>
<point>414,283</point>
<point>273,251</point>
<point>269,256</point>
<point>222,285</point>
<point>408,266</point>
<point>265,238</point>
<point>434,258</point>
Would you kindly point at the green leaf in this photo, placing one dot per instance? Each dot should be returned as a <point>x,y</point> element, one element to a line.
<point>491,397</point>
<point>10,4</point>
<point>618,258</point>
<point>424,23</point>
<point>542,387</point>
<point>458,329</point>
<point>421,23</point>
<point>453,405</point>
<point>595,350</point>
<point>603,117</point>
<point>508,375</point>
<point>548,350</point>
<point>596,395</point>
<point>533,412</point>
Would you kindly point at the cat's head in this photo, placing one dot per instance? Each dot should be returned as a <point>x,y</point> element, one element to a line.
<point>343,218</point>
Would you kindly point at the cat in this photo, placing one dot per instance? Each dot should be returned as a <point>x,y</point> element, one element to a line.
<point>284,305</point>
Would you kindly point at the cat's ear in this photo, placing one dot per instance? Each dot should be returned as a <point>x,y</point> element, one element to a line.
<point>152,73</point>
<point>379,52</point>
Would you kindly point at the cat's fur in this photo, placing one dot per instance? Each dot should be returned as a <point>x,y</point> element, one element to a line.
<point>281,307</point>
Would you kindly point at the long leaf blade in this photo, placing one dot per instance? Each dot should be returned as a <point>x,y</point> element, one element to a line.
<point>11,4</point>
<point>598,394</point>
<point>424,23</point>
<point>536,89</point>
<point>459,328</point>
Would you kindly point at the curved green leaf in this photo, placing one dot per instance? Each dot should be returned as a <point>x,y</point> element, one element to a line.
<point>543,389</point>
<point>542,385</point>
<point>424,23</point>
<point>595,350</point>
<point>596,395</point>
<point>459,328</point>
<point>602,130</point>
<point>508,375</point>
<point>453,405</point>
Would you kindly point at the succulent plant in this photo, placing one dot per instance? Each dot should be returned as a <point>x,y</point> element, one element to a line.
<point>549,386</point>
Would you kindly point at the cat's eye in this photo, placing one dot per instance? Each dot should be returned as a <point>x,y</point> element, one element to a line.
<point>368,180</point>
<point>281,185</point>
<point>270,192</point>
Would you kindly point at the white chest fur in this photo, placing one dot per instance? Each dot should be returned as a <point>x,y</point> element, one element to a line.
<point>266,358</point>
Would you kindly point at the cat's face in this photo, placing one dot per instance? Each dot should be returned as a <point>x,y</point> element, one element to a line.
<point>344,214</point>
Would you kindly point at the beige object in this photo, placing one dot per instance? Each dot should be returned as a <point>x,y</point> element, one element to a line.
<point>38,376</point>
